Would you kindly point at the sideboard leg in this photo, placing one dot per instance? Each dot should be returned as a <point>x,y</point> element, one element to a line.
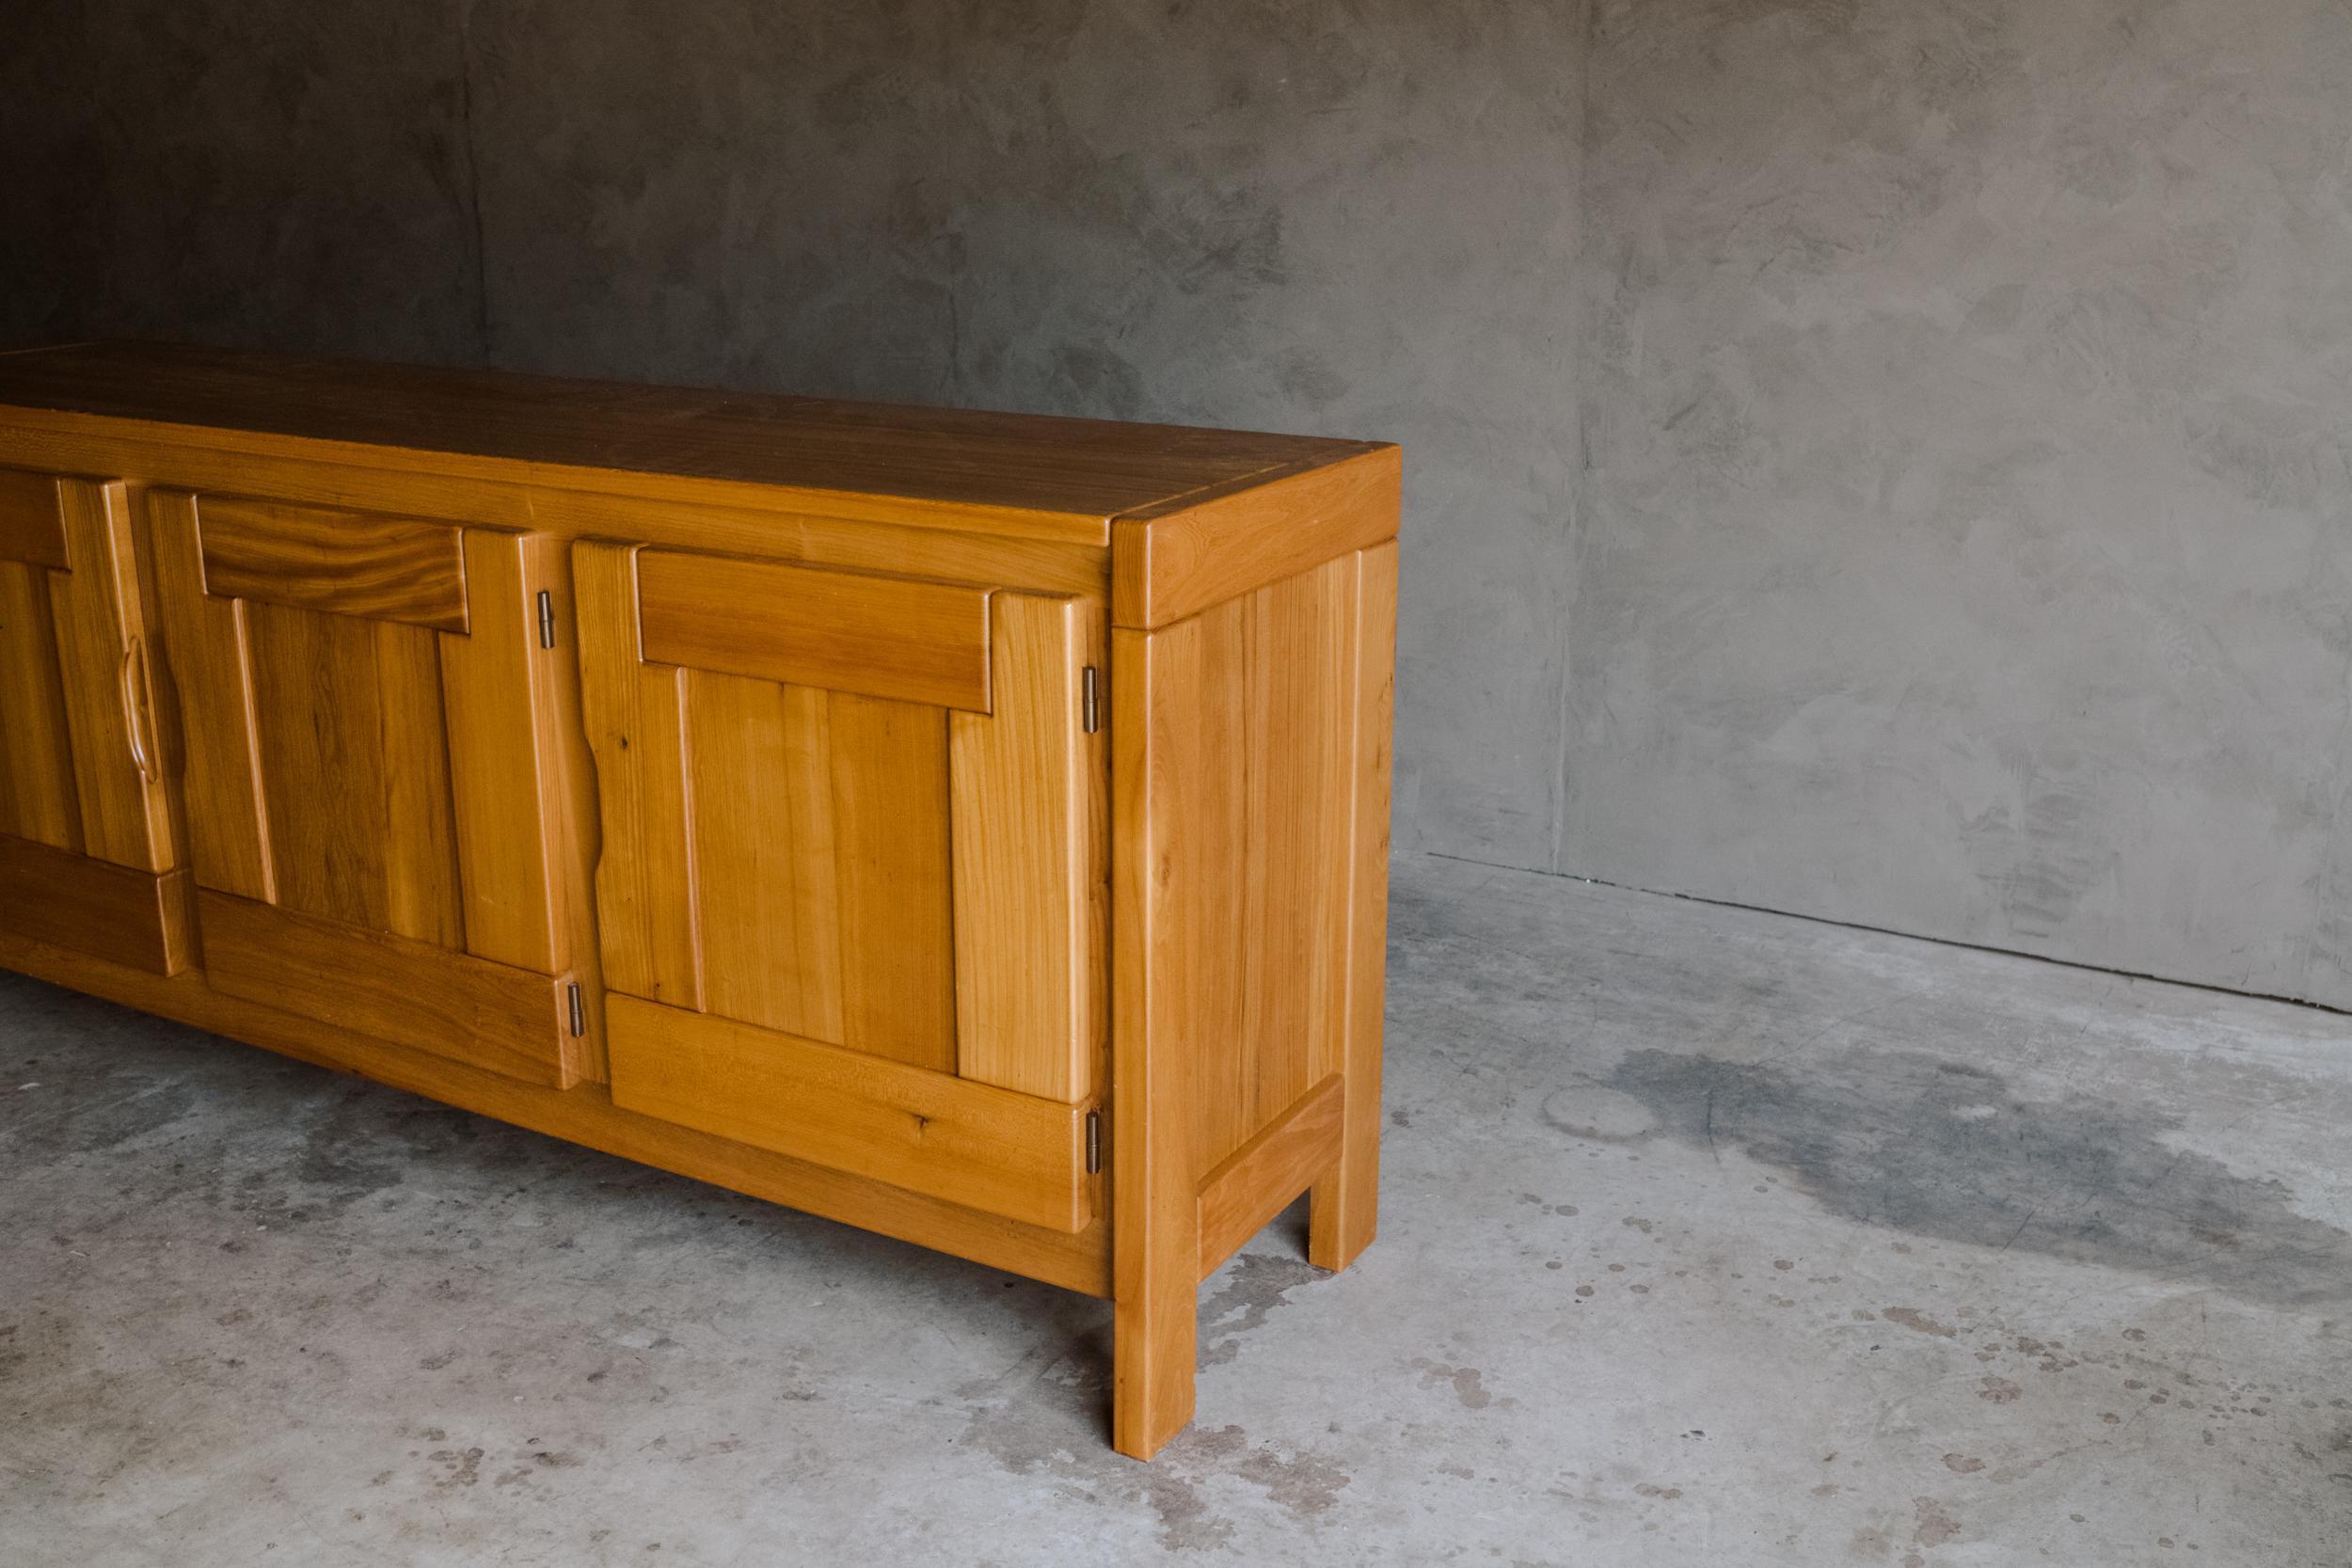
<point>1154,1340</point>
<point>1343,1207</point>
<point>1155,1038</point>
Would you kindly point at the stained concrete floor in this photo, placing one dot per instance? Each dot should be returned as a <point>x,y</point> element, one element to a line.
<point>1710,1237</point>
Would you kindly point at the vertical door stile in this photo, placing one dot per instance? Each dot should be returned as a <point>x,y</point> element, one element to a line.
<point>1022,777</point>
<point>100,648</point>
<point>210,663</point>
<point>636,719</point>
<point>503,815</point>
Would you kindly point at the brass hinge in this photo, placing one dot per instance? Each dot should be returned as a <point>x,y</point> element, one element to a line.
<point>577,1007</point>
<point>1094,1142</point>
<point>1090,698</point>
<point>547,631</point>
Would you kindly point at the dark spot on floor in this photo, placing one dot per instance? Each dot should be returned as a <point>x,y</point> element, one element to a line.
<point>1918,1321</point>
<point>1250,1288</point>
<point>1469,1382</point>
<point>1934,1148</point>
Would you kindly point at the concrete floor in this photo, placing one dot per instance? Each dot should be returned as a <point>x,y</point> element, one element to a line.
<point>1710,1237</point>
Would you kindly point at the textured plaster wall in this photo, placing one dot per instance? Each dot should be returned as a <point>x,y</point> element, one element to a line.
<point>1885,459</point>
<point>1966,543</point>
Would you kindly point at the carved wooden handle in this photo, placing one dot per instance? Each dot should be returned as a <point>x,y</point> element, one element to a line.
<point>138,701</point>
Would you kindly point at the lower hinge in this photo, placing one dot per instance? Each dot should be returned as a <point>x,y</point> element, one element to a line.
<point>1094,1142</point>
<point>577,1007</point>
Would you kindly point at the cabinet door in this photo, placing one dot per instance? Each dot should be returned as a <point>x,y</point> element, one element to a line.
<point>371,760</point>
<point>86,839</point>
<point>850,886</point>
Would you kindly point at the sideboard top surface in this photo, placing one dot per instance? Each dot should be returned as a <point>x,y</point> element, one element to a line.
<point>1030,463</point>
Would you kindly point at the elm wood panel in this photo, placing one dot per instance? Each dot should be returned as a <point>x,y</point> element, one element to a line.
<point>1013,462</point>
<point>760,794</point>
<point>803,881</point>
<point>1156,1039</point>
<point>1343,1212</point>
<point>506,493</point>
<point>497,688</point>
<point>647,879</point>
<point>97,615</point>
<point>894,891</point>
<point>210,673</point>
<point>1010,1154</point>
<point>822,883</point>
<point>1262,1178</point>
<point>857,533</point>
<point>32,530</point>
<point>1180,558</point>
<point>340,562</point>
<point>1274,819</point>
<point>487,1015</point>
<point>1234,794</point>
<point>900,638</point>
<point>110,912</point>
<point>1027,786</point>
<point>894,548</point>
<point>355,771</point>
<point>570,782</point>
<point>37,799</point>
<point>586,1116</point>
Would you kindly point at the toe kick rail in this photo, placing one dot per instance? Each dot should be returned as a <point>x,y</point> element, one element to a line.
<point>1267,1174</point>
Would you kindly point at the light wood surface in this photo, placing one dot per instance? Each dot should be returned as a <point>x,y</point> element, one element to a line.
<point>1157,1043</point>
<point>1264,1175</point>
<point>394,790</point>
<point>31,528</point>
<point>1181,557</point>
<point>96,612</point>
<point>337,563</point>
<point>355,771</point>
<point>1244,777</point>
<point>1008,463</point>
<point>585,1114</point>
<point>1028,784</point>
<point>205,660</point>
<point>844,631</point>
<point>790,774</point>
<point>1343,1213</point>
<point>499,713</point>
<point>648,885</point>
<point>110,912</point>
<point>891,877</point>
<point>894,879</point>
<point>412,994</point>
<point>37,798</point>
<point>1267,725</point>
<point>1010,1154</point>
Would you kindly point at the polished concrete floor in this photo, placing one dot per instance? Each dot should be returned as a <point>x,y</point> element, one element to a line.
<point>1709,1238</point>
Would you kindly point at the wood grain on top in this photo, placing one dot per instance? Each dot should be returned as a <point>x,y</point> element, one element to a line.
<point>1089,467</point>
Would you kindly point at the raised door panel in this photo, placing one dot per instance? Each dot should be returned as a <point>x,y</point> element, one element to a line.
<point>861,815</point>
<point>86,836</point>
<point>372,751</point>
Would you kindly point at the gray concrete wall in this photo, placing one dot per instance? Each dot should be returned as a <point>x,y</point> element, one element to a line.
<point>1882,460</point>
<point>1967,540</point>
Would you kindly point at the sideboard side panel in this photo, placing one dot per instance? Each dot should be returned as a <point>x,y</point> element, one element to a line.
<point>1249,809</point>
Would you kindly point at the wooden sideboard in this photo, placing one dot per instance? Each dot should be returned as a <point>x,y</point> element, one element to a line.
<point>966,826</point>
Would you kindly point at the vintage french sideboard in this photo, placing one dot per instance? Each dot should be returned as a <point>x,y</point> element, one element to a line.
<point>966,826</point>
